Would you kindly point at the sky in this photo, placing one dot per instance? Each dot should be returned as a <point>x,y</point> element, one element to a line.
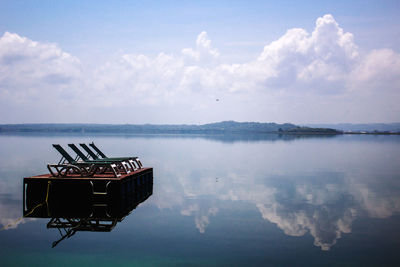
<point>194,62</point>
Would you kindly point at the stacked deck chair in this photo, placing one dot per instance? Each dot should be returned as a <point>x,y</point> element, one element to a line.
<point>69,166</point>
<point>122,164</point>
<point>96,156</point>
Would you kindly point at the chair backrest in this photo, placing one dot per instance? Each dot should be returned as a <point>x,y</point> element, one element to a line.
<point>64,153</point>
<point>90,152</point>
<point>97,150</point>
<point>78,152</point>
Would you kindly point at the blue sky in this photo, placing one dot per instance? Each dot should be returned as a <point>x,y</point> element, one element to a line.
<point>172,59</point>
<point>154,26</point>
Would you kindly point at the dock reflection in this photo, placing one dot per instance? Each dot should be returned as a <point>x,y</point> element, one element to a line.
<point>74,207</point>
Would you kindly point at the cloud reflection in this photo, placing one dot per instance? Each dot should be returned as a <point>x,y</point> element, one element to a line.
<point>201,215</point>
<point>10,214</point>
<point>322,204</point>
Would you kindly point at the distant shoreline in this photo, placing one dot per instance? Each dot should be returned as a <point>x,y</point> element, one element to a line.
<point>373,133</point>
<point>225,127</point>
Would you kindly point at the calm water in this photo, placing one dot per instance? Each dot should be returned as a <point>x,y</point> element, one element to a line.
<point>232,200</point>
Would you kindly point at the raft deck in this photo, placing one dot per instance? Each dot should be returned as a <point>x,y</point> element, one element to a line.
<point>77,177</point>
<point>101,188</point>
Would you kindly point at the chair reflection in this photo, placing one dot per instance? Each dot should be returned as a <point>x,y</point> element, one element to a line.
<point>74,207</point>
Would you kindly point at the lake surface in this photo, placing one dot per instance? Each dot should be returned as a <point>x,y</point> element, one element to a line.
<point>222,200</point>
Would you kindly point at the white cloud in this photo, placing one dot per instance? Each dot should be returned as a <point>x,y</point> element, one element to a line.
<point>203,52</point>
<point>379,70</point>
<point>30,69</point>
<point>293,77</point>
<point>317,61</point>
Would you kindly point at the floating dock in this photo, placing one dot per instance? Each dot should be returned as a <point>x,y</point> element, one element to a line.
<point>76,204</point>
<point>74,192</point>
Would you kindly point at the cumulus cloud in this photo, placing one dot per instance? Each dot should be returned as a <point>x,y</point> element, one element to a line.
<point>204,51</point>
<point>294,76</point>
<point>317,61</point>
<point>29,69</point>
<point>378,70</point>
<point>137,78</point>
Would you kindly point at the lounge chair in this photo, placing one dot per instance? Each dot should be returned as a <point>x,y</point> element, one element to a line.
<point>101,154</point>
<point>134,161</point>
<point>122,164</point>
<point>68,165</point>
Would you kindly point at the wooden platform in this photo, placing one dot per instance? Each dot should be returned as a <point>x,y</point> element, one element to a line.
<point>77,203</point>
<point>75,192</point>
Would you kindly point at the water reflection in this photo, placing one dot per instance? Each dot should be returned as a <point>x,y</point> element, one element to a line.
<point>69,226</point>
<point>224,138</point>
<point>201,211</point>
<point>73,208</point>
<point>263,197</point>
<point>323,204</point>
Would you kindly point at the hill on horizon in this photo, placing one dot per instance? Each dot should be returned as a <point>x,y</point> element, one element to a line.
<point>210,128</point>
